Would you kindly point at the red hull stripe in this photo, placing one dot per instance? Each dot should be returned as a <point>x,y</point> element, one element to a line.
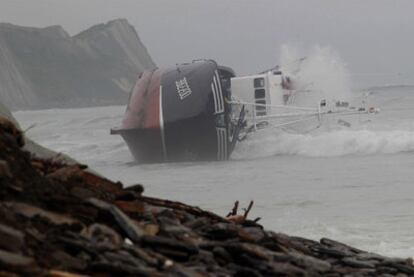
<point>143,111</point>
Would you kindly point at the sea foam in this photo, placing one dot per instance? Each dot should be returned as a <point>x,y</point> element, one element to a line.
<point>326,144</point>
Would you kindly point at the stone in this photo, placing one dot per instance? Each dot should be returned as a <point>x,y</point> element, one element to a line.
<point>11,239</point>
<point>4,169</point>
<point>132,230</point>
<point>31,211</point>
<point>15,261</point>
<point>359,264</point>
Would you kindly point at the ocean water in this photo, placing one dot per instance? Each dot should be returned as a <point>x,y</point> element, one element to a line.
<point>354,185</point>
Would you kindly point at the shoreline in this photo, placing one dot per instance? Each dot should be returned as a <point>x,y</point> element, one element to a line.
<point>60,219</point>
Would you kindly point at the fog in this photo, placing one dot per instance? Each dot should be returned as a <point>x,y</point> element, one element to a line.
<point>373,37</point>
<point>351,182</point>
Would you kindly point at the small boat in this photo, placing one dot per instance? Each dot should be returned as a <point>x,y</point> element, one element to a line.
<point>200,110</point>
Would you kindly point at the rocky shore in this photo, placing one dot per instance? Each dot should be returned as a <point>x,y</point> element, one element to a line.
<point>59,219</point>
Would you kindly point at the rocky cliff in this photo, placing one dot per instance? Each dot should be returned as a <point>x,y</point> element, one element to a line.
<point>46,67</point>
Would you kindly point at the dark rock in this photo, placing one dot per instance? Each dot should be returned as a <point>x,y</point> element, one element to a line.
<point>222,231</point>
<point>82,193</point>
<point>282,257</point>
<point>11,239</point>
<point>138,188</point>
<point>249,249</point>
<point>68,261</point>
<point>387,270</point>
<point>198,223</point>
<point>123,257</point>
<point>370,256</point>
<point>124,222</point>
<point>359,264</point>
<point>31,211</point>
<point>145,256</point>
<point>101,234</point>
<point>310,263</point>
<point>118,269</point>
<point>287,269</point>
<point>340,246</point>
<point>4,169</point>
<point>127,196</point>
<point>168,216</point>
<point>241,271</point>
<point>184,271</point>
<point>222,255</point>
<point>15,261</point>
<point>135,208</point>
<point>251,234</point>
<point>404,268</point>
<point>156,242</point>
<point>175,254</point>
<point>203,257</point>
<point>331,252</point>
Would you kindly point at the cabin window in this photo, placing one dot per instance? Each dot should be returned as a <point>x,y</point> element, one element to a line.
<point>261,110</point>
<point>259,94</point>
<point>261,102</point>
<point>259,83</point>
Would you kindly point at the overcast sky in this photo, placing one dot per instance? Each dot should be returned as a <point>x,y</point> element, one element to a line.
<point>374,37</point>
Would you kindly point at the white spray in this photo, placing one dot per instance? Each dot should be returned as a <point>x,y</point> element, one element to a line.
<point>319,74</point>
<point>324,74</point>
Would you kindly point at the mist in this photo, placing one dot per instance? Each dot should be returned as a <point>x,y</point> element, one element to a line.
<point>373,37</point>
<point>329,153</point>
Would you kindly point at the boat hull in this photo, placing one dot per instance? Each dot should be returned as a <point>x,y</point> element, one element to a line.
<point>178,114</point>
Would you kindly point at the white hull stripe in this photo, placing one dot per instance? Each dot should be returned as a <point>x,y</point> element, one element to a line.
<point>164,148</point>
<point>217,94</point>
<point>213,89</point>
<point>221,144</point>
<point>223,131</point>
<point>220,90</point>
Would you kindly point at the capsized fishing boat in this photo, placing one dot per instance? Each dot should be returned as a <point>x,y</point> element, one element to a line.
<point>180,114</point>
<point>200,110</point>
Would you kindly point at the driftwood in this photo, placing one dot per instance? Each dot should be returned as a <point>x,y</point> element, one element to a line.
<point>232,216</point>
<point>62,221</point>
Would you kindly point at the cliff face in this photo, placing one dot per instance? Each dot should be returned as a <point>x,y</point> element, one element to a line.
<point>45,67</point>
